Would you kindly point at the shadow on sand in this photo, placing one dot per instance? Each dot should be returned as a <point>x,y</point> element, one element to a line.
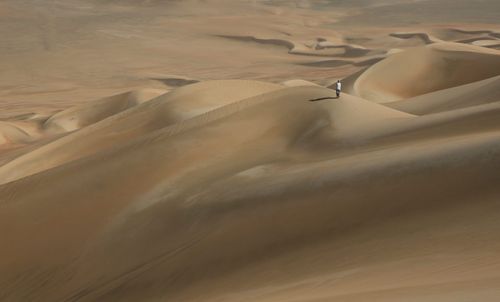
<point>324,98</point>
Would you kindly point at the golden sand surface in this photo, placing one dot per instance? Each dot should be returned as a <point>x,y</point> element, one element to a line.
<point>193,150</point>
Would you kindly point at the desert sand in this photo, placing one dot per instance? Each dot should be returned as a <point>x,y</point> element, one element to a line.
<point>195,150</point>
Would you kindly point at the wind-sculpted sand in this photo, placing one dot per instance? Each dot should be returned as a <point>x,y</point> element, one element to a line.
<point>427,69</point>
<point>223,167</point>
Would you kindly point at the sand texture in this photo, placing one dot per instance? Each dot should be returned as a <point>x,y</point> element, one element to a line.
<point>195,151</point>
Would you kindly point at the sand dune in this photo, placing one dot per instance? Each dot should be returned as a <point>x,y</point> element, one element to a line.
<point>349,50</point>
<point>426,69</point>
<point>482,92</point>
<point>11,134</point>
<point>176,81</point>
<point>298,82</point>
<point>92,112</point>
<point>472,40</point>
<point>266,158</point>
<point>277,42</point>
<point>338,63</point>
<point>472,32</point>
<point>487,43</point>
<point>424,37</point>
<point>194,151</point>
<point>321,47</point>
<point>160,112</point>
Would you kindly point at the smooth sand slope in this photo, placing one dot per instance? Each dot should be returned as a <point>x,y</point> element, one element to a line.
<point>160,112</point>
<point>140,170</point>
<point>476,93</point>
<point>248,191</point>
<point>422,70</point>
<point>91,112</point>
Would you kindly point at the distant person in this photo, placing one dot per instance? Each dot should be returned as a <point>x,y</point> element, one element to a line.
<point>338,88</point>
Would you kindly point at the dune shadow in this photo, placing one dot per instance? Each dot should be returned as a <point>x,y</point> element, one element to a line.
<point>324,98</point>
<point>339,63</point>
<point>175,82</point>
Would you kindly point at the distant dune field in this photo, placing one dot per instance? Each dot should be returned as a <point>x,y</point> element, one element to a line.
<point>196,151</point>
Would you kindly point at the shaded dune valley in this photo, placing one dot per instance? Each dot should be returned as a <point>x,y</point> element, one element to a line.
<point>239,190</point>
<point>265,190</point>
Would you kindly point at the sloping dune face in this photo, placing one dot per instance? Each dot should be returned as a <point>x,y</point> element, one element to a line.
<point>209,160</point>
<point>89,113</point>
<point>10,134</point>
<point>426,69</point>
<point>160,112</point>
<point>476,93</point>
<point>248,191</point>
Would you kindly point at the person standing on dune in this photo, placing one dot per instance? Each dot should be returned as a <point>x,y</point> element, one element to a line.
<point>338,88</point>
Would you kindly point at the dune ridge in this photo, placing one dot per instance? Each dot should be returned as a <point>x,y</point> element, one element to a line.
<point>196,151</point>
<point>425,37</point>
<point>284,156</point>
<point>11,134</point>
<point>144,118</point>
<point>292,137</point>
<point>476,93</point>
<point>92,112</point>
<point>321,47</point>
<point>452,63</point>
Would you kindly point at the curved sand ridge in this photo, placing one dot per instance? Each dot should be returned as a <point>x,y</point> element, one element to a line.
<point>173,80</point>
<point>11,134</point>
<point>476,93</point>
<point>321,47</point>
<point>485,38</point>
<point>298,82</point>
<point>273,123</point>
<point>214,205</point>
<point>94,111</point>
<point>160,112</point>
<point>246,191</point>
<point>424,37</point>
<point>425,69</point>
<point>487,43</point>
<point>339,63</point>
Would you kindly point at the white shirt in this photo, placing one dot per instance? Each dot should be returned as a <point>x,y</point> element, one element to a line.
<point>338,86</point>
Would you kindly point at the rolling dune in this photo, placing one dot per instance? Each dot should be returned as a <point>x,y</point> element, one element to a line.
<point>279,167</point>
<point>92,112</point>
<point>477,93</point>
<point>129,124</point>
<point>424,37</point>
<point>11,134</point>
<point>195,151</point>
<point>426,69</point>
